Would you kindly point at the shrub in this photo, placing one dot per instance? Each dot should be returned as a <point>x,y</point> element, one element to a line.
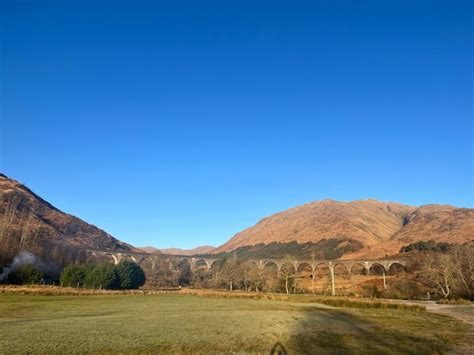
<point>335,302</point>
<point>130,274</point>
<point>26,274</point>
<point>407,288</point>
<point>371,291</point>
<point>455,301</point>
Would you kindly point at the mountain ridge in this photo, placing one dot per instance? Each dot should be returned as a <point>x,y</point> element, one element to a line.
<point>375,227</point>
<point>383,227</point>
<point>203,249</point>
<point>30,222</point>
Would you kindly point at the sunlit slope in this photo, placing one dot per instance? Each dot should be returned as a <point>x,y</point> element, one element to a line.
<point>28,222</point>
<point>381,227</point>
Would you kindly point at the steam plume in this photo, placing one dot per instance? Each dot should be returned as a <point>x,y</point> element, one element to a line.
<point>22,258</point>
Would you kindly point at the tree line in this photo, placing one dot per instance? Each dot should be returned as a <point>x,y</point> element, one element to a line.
<point>230,273</point>
<point>442,247</point>
<point>440,270</point>
<point>439,274</point>
<point>126,275</point>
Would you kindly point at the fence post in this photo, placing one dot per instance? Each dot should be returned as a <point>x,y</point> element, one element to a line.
<point>333,286</point>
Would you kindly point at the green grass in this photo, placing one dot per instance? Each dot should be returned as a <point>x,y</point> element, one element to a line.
<point>167,323</point>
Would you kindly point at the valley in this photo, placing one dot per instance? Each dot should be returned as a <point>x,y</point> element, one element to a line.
<point>328,234</point>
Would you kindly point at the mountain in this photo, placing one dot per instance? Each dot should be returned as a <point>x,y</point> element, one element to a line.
<point>440,223</point>
<point>150,250</point>
<point>205,249</point>
<point>382,228</point>
<point>29,222</point>
<point>350,230</point>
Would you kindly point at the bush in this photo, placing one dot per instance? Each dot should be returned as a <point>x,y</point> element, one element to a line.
<point>407,288</point>
<point>454,301</point>
<point>335,302</point>
<point>370,291</point>
<point>26,274</point>
<point>103,276</point>
<point>131,275</point>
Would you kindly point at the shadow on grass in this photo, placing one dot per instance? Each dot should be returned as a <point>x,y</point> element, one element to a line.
<point>278,349</point>
<point>334,331</point>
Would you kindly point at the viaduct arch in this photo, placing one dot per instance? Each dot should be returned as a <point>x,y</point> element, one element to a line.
<point>194,262</point>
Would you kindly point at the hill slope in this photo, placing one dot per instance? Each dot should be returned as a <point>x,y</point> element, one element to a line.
<point>440,223</point>
<point>381,227</point>
<point>195,251</point>
<point>29,222</point>
<point>205,249</point>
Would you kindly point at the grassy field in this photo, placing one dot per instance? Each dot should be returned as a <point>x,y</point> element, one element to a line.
<point>187,323</point>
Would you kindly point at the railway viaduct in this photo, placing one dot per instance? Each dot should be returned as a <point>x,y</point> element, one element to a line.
<point>297,265</point>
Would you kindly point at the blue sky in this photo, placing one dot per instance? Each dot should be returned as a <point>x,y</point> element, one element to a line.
<point>180,123</point>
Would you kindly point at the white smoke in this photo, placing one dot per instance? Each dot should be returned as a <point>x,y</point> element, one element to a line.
<point>22,258</point>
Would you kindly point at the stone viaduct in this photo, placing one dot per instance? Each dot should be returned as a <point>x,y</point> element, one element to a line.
<point>297,265</point>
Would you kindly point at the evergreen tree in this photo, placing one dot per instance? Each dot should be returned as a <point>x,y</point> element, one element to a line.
<point>103,276</point>
<point>130,274</point>
<point>74,275</point>
<point>26,274</point>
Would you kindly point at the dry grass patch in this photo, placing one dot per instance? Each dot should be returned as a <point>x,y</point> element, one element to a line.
<point>345,302</point>
<point>456,301</point>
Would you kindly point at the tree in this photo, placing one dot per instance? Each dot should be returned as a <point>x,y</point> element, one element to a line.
<point>442,247</point>
<point>464,268</point>
<point>439,272</point>
<point>268,278</point>
<point>74,275</point>
<point>451,273</point>
<point>231,272</point>
<point>184,273</point>
<point>165,274</point>
<point>103,276</point>
<point>288,275</point>
<point>250,276</point>
<point>26,274</point>
<point>130,274</point>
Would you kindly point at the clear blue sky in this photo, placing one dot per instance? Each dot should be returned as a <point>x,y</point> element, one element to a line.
<point>179,123</point>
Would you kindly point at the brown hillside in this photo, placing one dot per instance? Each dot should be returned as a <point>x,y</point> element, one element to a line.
<point>438,222</point>
<point>368,221</point>
<point>27,222</point>
<point>150,250</point>
<point>195,251</point>
<point>381,227</point>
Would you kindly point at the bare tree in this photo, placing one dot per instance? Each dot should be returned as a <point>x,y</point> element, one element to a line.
<point>439,272</point>
<point>250,275</point>
<point>25,232</point>
<point>463,258</point>
<point>9,246</point>
<point>231,272</point>
<point>288,275</point>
